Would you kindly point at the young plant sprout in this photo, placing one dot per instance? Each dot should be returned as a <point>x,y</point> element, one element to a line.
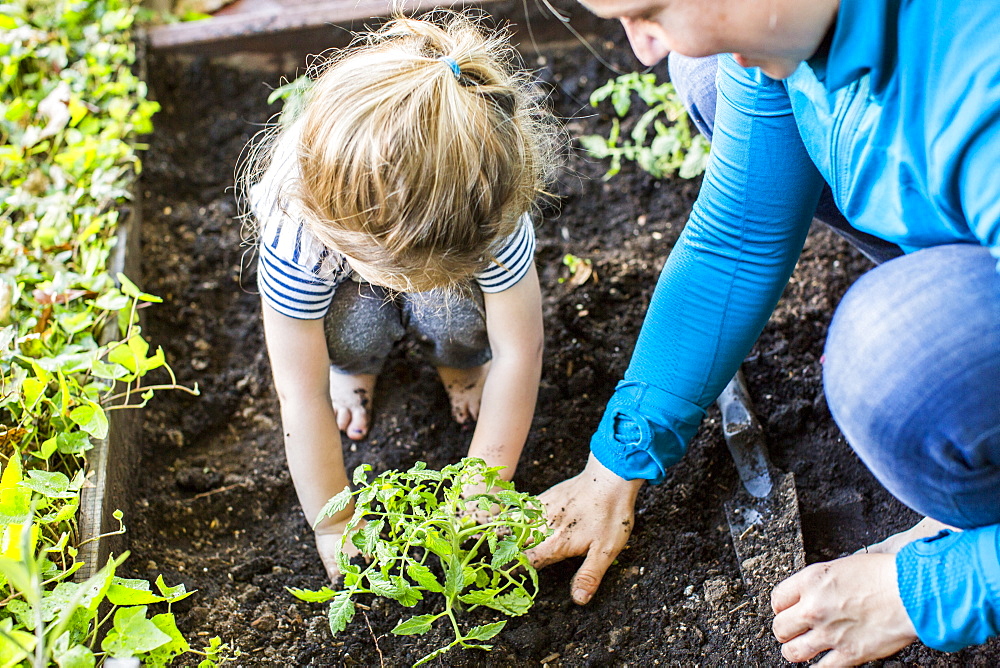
<point>420,532</point>
<point>673,147</point>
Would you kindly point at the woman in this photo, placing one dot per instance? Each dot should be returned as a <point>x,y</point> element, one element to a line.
<point>896,107</point>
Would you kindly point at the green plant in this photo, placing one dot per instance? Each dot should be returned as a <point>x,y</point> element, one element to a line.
<point>71,350</point>
<point>293,96</point>
<point>580,269</point>
<point>672,148</point>
<point>54,620</point>
<point>417,529</point>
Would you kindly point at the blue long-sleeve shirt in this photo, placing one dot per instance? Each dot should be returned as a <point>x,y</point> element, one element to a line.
<point>902,118</point>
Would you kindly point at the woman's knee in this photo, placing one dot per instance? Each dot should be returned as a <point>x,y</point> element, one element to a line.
<point>911,355</point>
<point>694,80</point>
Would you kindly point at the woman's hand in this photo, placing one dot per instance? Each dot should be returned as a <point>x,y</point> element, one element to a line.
<point>849,606</point>
<point>592,515</point>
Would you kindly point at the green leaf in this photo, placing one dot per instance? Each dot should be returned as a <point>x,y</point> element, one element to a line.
<point>341,612</point>
<point>310,596</point>
<point>24,613</point>
<point>423,576</point>
<point>47,449</point>
<point>107,371</point>
<point>133,634</point>
<point>15,505</point>
<point>621,100</point>
<point>382,586</point>
<point>513,603</point>
<point>361,474</point>
<point>16,573</point>
<point>112,300</point>
<point>52,484</point>
<point>15,645</point>
<point>132,290</point>
<point>511,498</point>
<point>601,94</point>
<point>73,443</point>
<point>436,544</point>
<point>371,535</point>
<point>507,550</point>
<point>32,390</point>
<point>453,577</point>
<point>172,594</point>
<point>77,656</point>
<point>132,355</point>
<point>433,655</point>
<point>408,596</point>
<point>334,505</point>
<point>479,597</point>
<point>417,625</point>
<point>91,418</point>
<point>696,160</point>
<point>131,592</point>
<point>486,631</point>
<point>596,145</point>
<point>165,653</point>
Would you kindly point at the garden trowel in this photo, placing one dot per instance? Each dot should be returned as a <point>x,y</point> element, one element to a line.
<point>764,514</point>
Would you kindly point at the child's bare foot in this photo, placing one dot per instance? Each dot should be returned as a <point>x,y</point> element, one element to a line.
<point>465,390</point>
<point>351,397</point>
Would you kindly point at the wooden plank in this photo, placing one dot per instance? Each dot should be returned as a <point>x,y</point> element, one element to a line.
<point>112,463</point>
<point>251,25</point>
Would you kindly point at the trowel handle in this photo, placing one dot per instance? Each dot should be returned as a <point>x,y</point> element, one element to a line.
<point>737,410</point>
<point>745,437</point>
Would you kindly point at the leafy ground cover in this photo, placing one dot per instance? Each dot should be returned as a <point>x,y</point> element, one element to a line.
<point>71,347</point>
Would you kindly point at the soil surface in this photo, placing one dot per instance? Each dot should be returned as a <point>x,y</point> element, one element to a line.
<point>215,507</point>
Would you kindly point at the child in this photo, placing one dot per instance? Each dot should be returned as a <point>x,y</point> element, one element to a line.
<point>397,203</point>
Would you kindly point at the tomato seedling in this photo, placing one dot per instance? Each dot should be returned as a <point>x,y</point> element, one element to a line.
<point>418,530</point>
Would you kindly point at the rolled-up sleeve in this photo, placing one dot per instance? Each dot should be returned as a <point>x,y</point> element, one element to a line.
<point>721,280</point>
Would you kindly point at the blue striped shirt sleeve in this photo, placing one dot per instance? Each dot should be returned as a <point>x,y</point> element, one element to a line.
<point>511,263</point>
<point>290,273</point>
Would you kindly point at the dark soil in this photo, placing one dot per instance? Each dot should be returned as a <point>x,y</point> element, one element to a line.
<point>215,504</point>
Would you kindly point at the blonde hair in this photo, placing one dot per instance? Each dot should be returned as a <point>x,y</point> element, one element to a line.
<point>415,170</point>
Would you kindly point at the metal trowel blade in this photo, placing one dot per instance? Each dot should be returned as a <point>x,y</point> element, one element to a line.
<point>767,534</point>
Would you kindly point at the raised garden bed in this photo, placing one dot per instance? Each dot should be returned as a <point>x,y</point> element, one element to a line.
<point>216,504</point>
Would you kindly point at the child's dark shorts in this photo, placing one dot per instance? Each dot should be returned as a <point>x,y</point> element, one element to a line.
<point>366,320</point>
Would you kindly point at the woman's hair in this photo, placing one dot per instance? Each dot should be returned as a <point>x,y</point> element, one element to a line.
<point>420,147</point>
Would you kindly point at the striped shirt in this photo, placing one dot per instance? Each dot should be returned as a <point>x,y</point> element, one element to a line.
<point>297,275</point>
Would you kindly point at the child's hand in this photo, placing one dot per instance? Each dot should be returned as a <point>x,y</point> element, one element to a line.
<point>472,509</point>
<point>328,543</point>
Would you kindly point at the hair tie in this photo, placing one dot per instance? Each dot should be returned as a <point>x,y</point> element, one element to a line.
<point>453,64</point>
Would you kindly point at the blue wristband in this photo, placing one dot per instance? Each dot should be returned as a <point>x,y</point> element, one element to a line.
<point>950,585</point>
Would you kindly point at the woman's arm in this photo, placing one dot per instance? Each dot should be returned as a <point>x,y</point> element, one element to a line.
<point>301,369</point>
<point>714,295</point>
<point>514,325</point>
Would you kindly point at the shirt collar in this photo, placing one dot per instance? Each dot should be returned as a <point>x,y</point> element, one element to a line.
<point>864,42</point>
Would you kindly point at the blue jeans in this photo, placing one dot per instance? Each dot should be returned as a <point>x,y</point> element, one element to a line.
<point>912,358</point>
